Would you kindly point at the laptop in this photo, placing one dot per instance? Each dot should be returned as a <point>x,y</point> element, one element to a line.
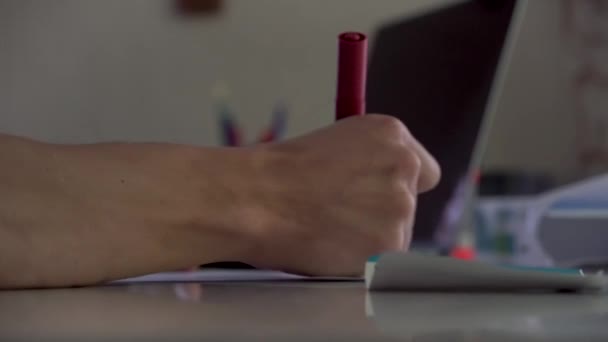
<point>439,73</point>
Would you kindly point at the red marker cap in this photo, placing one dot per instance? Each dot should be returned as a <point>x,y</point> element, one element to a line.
<point>352,74</point>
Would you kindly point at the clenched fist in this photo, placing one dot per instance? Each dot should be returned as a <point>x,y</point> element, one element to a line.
<point>333,198</point>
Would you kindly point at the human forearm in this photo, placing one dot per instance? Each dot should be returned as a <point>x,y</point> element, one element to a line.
<point>82,214</point>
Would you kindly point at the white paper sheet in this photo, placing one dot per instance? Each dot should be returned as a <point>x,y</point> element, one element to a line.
<point>227,275</point>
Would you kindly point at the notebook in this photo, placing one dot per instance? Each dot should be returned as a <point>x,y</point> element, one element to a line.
<point>401,271</point>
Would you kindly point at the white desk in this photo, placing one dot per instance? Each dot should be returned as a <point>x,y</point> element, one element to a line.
<point>287,310</point>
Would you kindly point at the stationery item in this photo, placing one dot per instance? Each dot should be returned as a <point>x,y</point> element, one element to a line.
<point>226,275</point>
<point>231,133</point>
<point>228,128</point>
<point>399,271</point>
<point>352,74</point>
<point>277,126</point>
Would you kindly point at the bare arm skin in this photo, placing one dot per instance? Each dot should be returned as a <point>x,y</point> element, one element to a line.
<point>74,215</point>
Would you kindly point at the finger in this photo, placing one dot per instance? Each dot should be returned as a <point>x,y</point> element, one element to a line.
<point>430,172</point>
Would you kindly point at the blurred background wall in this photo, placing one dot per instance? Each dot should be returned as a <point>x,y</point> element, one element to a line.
<point>90,70</point>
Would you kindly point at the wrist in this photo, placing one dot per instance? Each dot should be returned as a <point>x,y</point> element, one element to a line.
<point>262,219</point>
<point>233,190</point>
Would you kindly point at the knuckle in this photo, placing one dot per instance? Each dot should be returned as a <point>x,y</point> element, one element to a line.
<point>402,202</point>
<point>404,163</point>
<point>389,124</point>
<point>411,160</point>
<point>430,178</point>
<point>405,203</point>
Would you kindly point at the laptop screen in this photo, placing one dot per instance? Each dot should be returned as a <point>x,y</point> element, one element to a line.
<point>435,73</point>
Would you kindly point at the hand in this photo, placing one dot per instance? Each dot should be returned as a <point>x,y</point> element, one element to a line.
<point>335,197</point>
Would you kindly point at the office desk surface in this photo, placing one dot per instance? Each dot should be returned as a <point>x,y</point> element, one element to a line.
<point>294,311</point>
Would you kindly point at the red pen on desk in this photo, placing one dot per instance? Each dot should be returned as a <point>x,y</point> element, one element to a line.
<point>352,74</point>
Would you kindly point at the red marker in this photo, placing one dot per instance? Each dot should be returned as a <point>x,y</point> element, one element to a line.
<point>352,74</point>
